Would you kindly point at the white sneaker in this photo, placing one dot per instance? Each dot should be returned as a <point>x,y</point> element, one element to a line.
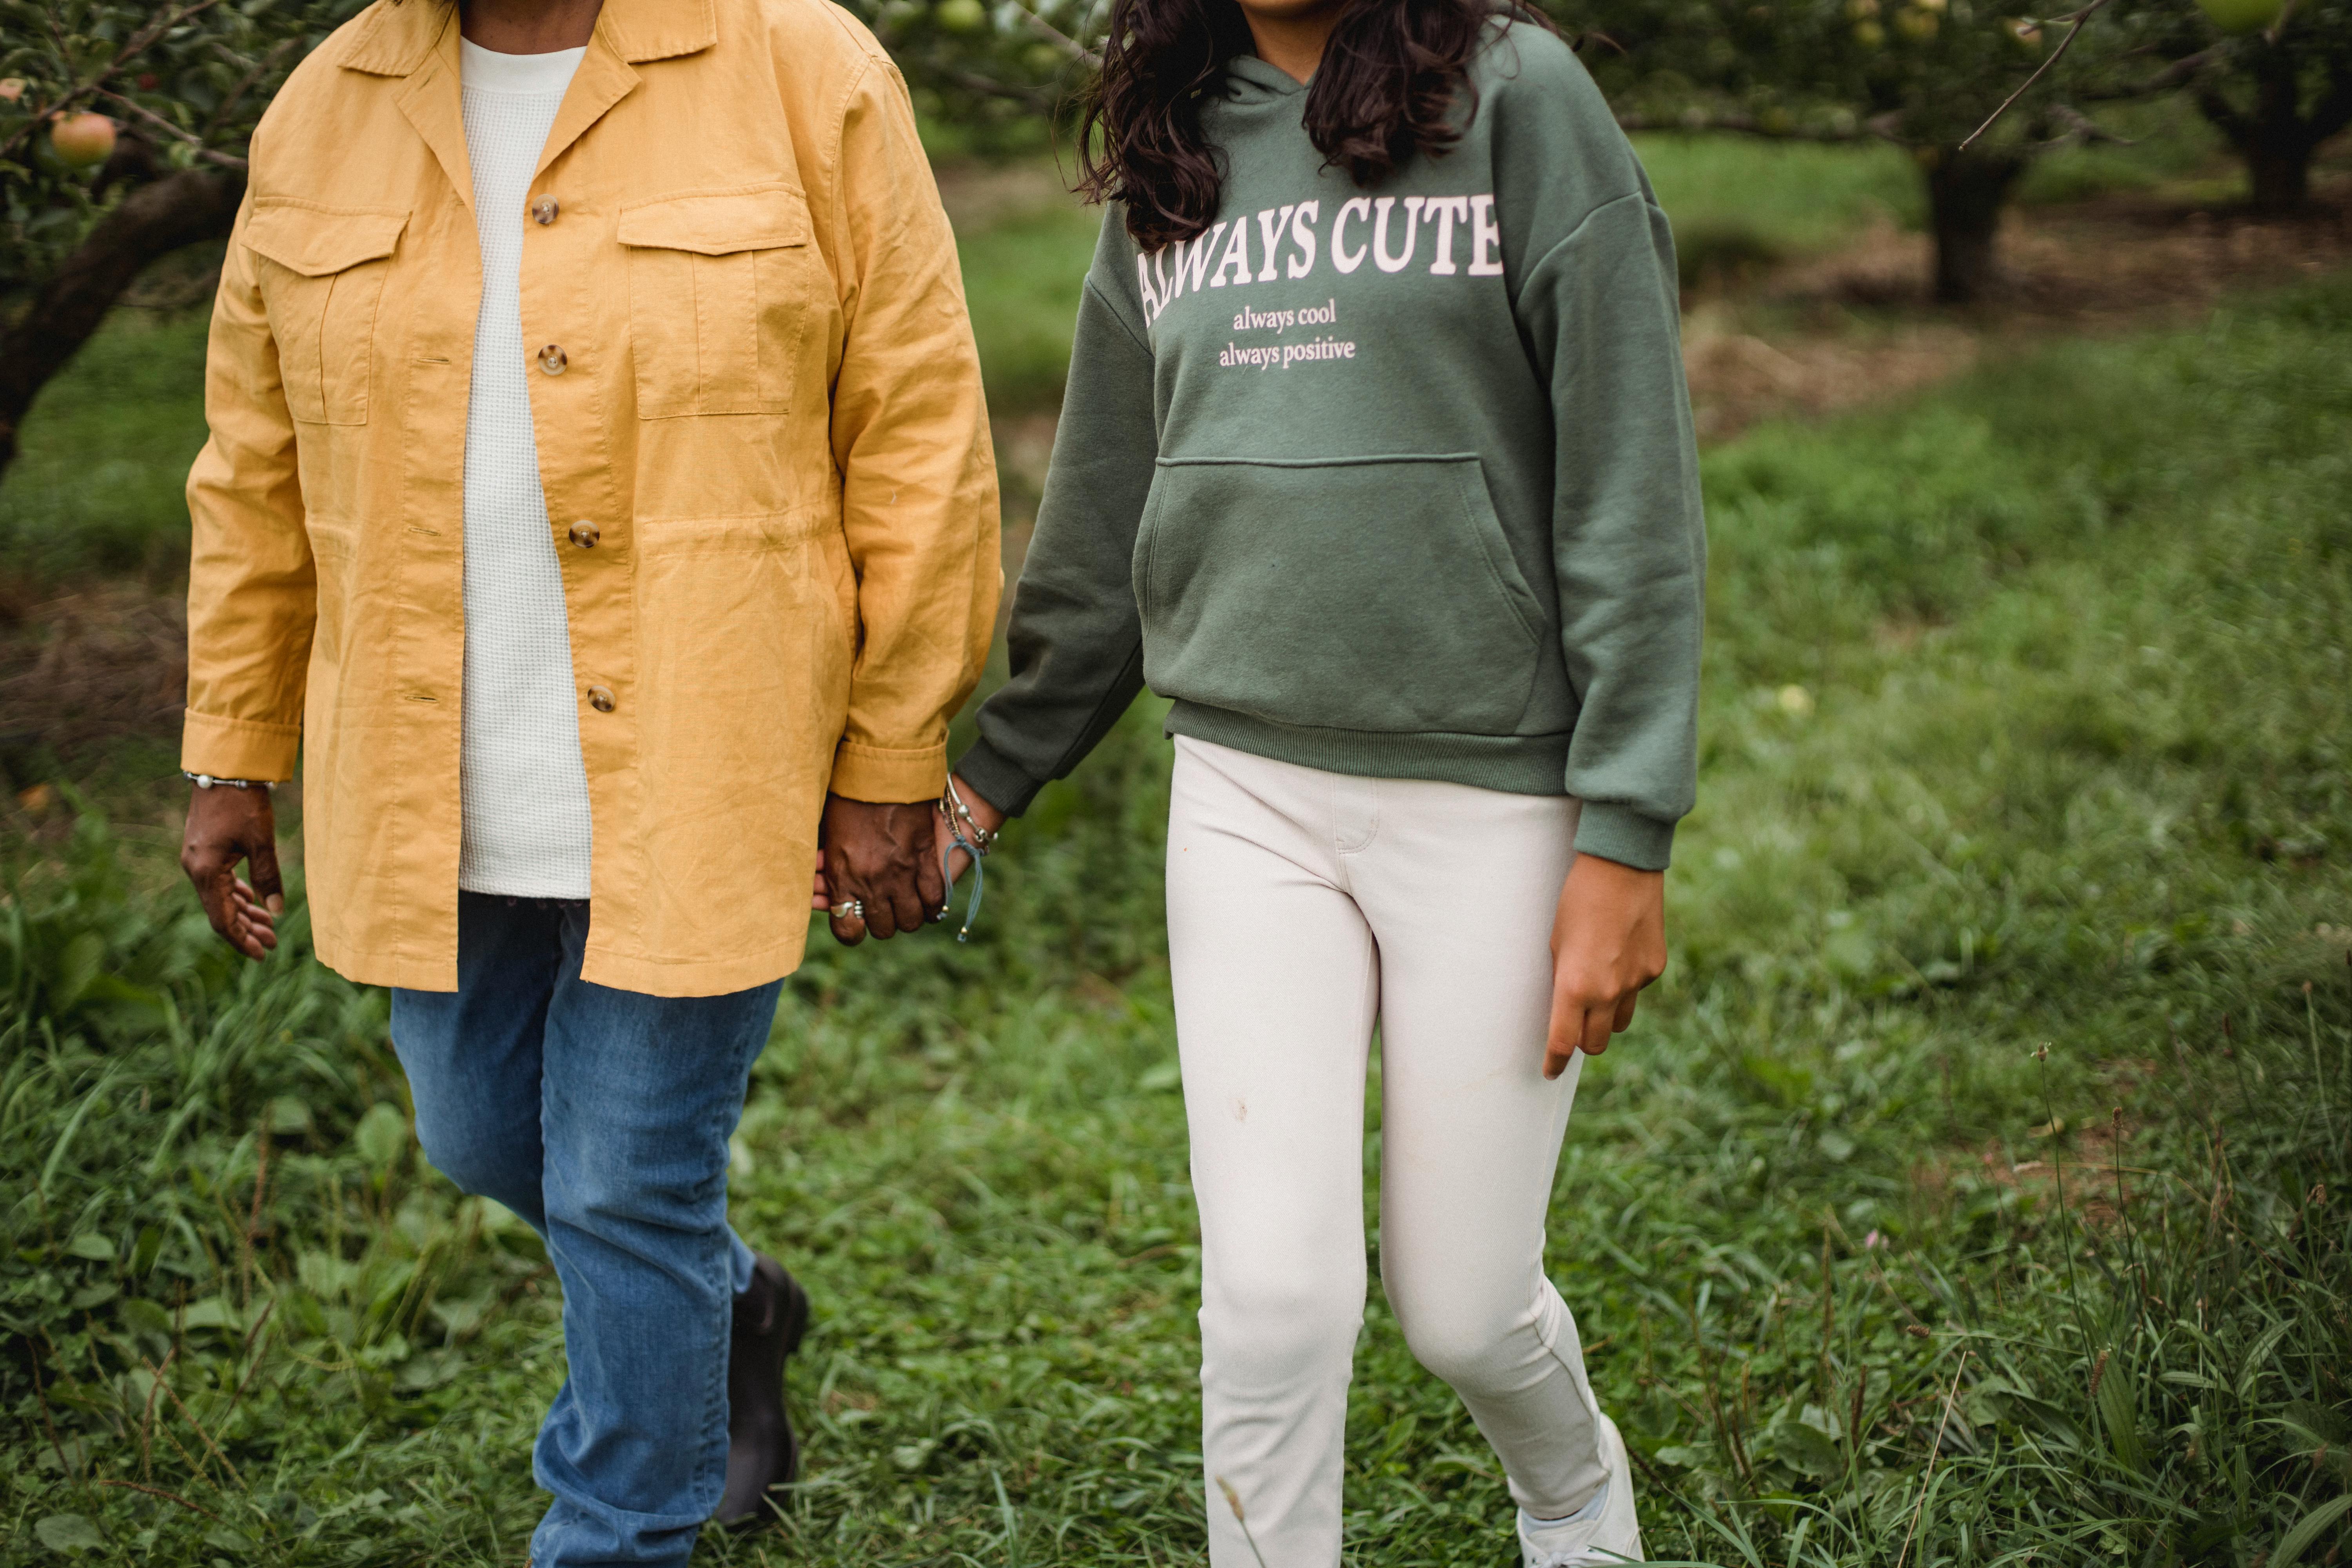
<point>1602,1533</point>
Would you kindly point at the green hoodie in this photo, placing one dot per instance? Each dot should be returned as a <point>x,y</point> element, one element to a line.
<point>1397,482</point>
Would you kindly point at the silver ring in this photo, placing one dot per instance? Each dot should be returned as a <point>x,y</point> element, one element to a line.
<point>849,910</point>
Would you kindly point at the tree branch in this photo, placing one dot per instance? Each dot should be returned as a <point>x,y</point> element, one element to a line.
<point>210,155</point>
<point>177,210</point>
<point>2179,73</point>
<point>2081,130</point>
<point>132,48</point>
<point>1037,100</point>
<point>255,70</point>
<point>2333,113</point>
<point>1060,41</point>
<point>2224,115</point>
<point>2080,17</point>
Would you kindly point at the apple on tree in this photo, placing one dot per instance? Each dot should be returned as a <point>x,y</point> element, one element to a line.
<point>961,16</point>
<point>83,139</point>
<point>2238,17</point>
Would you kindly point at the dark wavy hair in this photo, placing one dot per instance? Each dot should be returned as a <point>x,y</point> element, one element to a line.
<point>1386,86</point>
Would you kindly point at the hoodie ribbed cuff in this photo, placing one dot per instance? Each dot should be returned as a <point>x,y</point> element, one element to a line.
<point>999,781</point>
<point>1618,833</point>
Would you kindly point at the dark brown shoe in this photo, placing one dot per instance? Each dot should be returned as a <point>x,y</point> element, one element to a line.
<point>762,1451</point>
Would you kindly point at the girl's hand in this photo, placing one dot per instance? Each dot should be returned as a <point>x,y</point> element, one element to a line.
<point>1608,942</point>
<point>987,816</point>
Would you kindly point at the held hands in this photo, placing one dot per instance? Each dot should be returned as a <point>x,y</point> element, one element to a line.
<point>226,824</point>
<point>878,873</point>
<point>885,856</point>
<point>1608,942</point>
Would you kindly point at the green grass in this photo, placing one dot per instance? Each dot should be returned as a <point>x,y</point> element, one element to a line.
<point>1737,200</point>
<point>2164,144</point>
<point>1738,203</point>
<point>98,484</point>
<point>2023,730</point>
<point>1023,275</point>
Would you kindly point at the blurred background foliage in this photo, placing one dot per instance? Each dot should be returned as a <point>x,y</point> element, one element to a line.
<point>101,100</point>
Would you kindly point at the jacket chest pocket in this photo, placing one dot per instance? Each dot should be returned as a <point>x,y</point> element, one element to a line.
<point>721,285</point>
<point>322,278</point>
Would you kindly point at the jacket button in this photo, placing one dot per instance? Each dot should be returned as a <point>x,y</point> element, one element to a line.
<point>600,698</point>
<point>544,210</point>
<point>585,535</point>
<point>552,359</point>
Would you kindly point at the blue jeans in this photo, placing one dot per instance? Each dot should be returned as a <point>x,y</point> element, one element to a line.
<point>602,1118</point>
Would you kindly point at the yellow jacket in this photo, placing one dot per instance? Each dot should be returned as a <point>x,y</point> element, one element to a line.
<point>761,433</point>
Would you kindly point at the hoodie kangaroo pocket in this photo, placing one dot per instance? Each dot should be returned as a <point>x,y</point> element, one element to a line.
<point>1370,593</point>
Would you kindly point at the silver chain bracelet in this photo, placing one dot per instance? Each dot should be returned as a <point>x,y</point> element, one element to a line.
<point>969,836</point>
<point>980,840</point>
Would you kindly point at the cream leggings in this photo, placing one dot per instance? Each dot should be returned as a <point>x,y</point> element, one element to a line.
<point>1303,908</point>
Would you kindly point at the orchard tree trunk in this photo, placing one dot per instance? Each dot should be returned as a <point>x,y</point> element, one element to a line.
<point>2279,173</point>
<point>2276,137</point>
<point>1965,193</point>
<point>152,220</point>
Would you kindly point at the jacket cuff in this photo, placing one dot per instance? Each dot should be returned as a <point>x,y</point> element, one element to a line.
<point>238,748</point>
<point>883,776</point>
<point>1618,833</point>
<point>999,781</point>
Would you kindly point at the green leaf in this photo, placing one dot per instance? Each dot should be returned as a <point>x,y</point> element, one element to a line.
<point>1806,1448</point>
<point>78,965</point>
<point>146,1317</point>
<point>2307,1529</point>
<point>213,1312</point>
<point>72,1456</point>
<point>381,1136</point>
<point>69,1532</point>
<point>2119,1414</point>
<point>2251,1370</point>
<point>143,1253</point>
<point>93,1246</point>
<point>368,1502</point>
<point>430,1370</point>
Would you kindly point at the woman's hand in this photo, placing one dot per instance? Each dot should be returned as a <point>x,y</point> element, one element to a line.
<point>226,824</point>
<point>881,855</point>
<point>1608,942</point>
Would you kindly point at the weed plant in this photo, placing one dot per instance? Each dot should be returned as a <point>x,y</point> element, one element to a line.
<point>1971,1191</point>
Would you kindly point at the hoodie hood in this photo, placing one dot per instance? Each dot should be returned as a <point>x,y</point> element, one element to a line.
<point>1251,80</point>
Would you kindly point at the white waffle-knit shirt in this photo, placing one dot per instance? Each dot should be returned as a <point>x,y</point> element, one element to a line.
<point>523,787</point>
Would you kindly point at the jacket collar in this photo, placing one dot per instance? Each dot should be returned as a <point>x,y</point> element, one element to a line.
<point>397,36</point>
